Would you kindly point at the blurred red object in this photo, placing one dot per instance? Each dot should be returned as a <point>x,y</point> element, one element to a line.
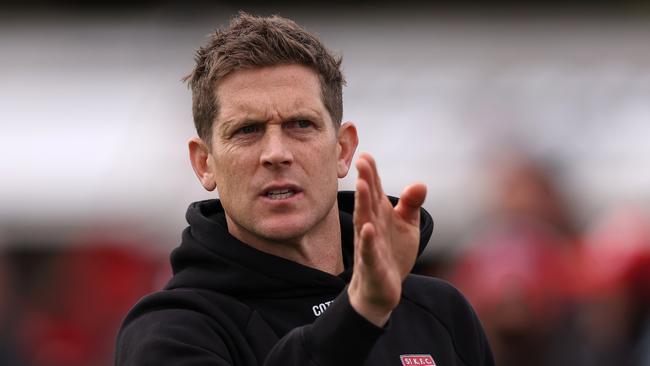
<point>617,255</point>
<point>519,276</point>
<point>77,321</point>
<point>525,261</point>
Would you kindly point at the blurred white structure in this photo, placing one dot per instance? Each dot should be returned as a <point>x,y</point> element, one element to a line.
<point>94,119</point>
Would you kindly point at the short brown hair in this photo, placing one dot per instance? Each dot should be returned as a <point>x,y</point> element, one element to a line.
<point>250,42</point>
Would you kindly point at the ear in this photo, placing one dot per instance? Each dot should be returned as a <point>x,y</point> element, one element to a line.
<point>347,141</point>
<point>200,158</point>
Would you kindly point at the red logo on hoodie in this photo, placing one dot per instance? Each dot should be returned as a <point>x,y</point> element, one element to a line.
<point>417,360</point>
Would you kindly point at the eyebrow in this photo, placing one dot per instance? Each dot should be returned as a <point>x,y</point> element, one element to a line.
<point>224,128</point>
<point>225,125</point>
<point>301,116</point>
<point>304,113</point>
<point>296,116</point>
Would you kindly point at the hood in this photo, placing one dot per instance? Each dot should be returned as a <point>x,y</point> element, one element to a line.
<point>210,258</point>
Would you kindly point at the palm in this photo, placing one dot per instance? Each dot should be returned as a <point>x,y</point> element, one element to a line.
<point>386,240</point>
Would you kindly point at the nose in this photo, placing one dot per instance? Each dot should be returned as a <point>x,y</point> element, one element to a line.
<point>276,152</point>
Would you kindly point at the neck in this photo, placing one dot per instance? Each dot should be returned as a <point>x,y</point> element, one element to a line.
<point>320,248</point>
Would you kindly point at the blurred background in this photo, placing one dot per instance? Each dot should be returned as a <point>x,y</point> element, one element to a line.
<point>530,124</point>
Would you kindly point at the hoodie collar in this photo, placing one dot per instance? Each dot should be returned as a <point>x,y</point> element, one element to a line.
<point>209,257</point>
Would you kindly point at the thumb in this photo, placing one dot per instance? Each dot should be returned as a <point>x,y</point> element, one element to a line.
<point>408,206</point>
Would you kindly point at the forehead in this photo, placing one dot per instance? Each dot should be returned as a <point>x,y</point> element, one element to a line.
<point>278,89</point>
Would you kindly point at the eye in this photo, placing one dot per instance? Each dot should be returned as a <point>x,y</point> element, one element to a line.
<point>248,129</point>
<point>303,123</point>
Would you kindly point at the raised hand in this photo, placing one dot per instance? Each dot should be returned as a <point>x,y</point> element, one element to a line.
<point>386,243</point>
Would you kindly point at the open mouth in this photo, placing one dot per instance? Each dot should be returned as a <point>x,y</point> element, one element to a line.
<point>280,194</point>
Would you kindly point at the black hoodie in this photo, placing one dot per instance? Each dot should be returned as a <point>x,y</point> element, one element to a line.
<point>230,304</point>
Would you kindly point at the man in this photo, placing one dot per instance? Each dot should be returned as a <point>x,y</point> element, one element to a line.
<point>283,269</point>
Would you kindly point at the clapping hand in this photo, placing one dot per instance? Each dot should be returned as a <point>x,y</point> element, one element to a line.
<point>386,243</point>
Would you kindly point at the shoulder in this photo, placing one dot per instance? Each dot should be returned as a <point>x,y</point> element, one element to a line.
<point>175,321</point>
<point>440,298</point>
<point>448,305</point>
<point>198,303</point>
<point>437,294</point>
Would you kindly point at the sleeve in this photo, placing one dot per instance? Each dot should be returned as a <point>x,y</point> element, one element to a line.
<point>338,337</point>
<point>183,337</point>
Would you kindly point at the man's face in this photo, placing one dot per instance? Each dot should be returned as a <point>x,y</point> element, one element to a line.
<point>275,156</point>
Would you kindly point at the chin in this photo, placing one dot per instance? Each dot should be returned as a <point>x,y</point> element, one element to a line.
<point>283,229</point>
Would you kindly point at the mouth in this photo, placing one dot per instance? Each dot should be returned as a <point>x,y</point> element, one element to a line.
<point>281,192</point>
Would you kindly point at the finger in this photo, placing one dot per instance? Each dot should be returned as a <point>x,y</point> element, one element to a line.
<point>362,206</point>
<point>367,249</point>
<point>377,189</point>
<point>412,198</point>
<point>365,174</point>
